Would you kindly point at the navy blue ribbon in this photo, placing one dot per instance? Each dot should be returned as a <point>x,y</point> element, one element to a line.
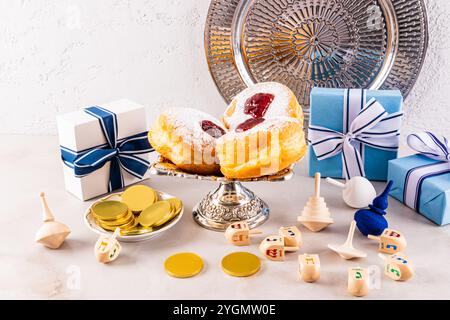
<point>122,154</point>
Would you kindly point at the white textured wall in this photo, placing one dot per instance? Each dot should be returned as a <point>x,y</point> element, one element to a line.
<point>60,55</point>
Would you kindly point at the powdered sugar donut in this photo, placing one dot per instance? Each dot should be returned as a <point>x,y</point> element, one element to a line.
<point>187,137</point>
<point>263,100</point>
<point>261,147</point>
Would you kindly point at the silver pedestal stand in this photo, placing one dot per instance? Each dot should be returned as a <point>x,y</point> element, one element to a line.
<point>230,202</point>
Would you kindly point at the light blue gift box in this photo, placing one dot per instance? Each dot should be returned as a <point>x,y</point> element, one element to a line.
<point>434,198</point>
<point>326,111</point>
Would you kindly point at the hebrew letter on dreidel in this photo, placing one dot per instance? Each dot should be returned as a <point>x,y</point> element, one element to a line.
<point>357,282</point>
<point>309,267</point>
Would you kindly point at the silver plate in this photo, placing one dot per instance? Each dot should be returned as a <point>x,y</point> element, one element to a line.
<point>376,44</point>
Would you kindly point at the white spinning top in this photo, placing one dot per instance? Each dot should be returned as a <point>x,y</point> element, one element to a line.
<point>315,215</point>
<point>52,233</point>
<point>346,250</point>
<point>358,192</point>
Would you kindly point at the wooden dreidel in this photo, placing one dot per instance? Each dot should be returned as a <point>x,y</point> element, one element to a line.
<point>390,241</point>
<point>107,248</point>
<point>52,233</point>
<point>397,267</point>
<point>358,284</point>
<point>292,236</point>
<point>346,250</point>
<point>273,248</point>
<point>309,267</point>
<point>358,192</point>
<point>315,215</point>
<point>239,233</point>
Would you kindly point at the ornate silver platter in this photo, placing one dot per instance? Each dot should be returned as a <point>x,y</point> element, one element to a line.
<point>230,202</point>
<point>376,44</point>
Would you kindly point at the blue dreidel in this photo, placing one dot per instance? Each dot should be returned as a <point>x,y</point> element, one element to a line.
<point>372,221</point>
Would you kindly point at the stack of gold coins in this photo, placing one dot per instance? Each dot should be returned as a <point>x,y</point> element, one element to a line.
<point>113,214</point>
<point>139,211</point>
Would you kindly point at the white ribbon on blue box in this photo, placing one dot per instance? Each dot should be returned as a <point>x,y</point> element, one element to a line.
<point>422,181</point>
<point>353,132</point>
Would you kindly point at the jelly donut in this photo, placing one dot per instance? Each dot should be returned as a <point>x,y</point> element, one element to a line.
<point>187,137</point>
<point>259,147</point>
<point>263,100</point>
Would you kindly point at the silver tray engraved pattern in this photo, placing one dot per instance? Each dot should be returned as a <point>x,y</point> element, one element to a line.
<point>306,43</point>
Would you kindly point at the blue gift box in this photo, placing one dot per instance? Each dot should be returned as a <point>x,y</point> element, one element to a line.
<point>327,107</point>
<point>434,192</point>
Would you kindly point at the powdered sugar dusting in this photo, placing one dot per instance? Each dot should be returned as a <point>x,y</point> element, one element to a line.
<point>187,124</point>
<point>278,107</point>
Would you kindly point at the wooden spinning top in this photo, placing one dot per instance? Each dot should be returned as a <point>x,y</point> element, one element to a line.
<point>358,284</point>
<point>390,241</point>
<point>346,250</point>
<point>397,267</point>
<point>239,233</point>
<point>52,233</point>
<point>107,248</point>
<point>315,215</point>
<point>274,248</point>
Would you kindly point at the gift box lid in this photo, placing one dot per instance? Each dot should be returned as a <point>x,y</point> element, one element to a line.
<point>79,131</point>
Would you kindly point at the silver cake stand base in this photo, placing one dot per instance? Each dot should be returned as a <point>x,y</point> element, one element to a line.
<point>230,202</point>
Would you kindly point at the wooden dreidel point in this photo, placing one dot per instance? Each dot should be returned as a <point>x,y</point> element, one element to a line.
<point>358,192</point>
<point>309,267</point>
<point>292,236</point>
<point>346,250</point>
<point>273,248</point>
<point>239,233</point>
<point>52,233</point>
<point>397,267</point>
<point>358,284</point>
<point>390,241</point>
<point>107,248</point>
<point>315,215</point>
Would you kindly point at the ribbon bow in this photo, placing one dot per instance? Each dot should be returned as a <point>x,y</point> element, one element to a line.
<point>122,154</point>
<point>364,124</point>
<point>431,146</point>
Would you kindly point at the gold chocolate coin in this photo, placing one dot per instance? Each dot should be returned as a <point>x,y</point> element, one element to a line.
<point>129,225</point>
<point>241,264</point>
<point>183,265</point>
<point>119,222</point>
<point>139,197</point>
<point>153,214</point>
<point>109,210</point>
<point>176,206</point>
<point>137,230</point>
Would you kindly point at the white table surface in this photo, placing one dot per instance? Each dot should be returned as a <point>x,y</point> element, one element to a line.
<point>29,165</point>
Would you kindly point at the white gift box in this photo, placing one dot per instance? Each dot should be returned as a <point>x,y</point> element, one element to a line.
<point>80,131</point>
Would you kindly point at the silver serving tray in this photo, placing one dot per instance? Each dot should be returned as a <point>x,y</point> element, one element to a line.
<point>375,44</point>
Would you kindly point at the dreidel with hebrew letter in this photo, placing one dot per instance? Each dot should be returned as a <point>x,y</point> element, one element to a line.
<point>107,248</point>
<point>292,236</point>
<point>358,284</point>
<point>239,233</point>
<point>398,267</point>
<point>273,248</point>
<point>309,267</point>
<point>390,241</point>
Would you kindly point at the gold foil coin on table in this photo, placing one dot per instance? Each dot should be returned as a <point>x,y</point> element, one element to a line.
<point>154,214</point>
<point>241,264</point>
<point>109,210</point>
<point>139,197</point>
<point>183,265</point>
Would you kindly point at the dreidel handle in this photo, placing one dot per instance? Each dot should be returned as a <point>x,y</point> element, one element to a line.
<point>255,231</point>
<point>371,237</point>
<point>291,249</point>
